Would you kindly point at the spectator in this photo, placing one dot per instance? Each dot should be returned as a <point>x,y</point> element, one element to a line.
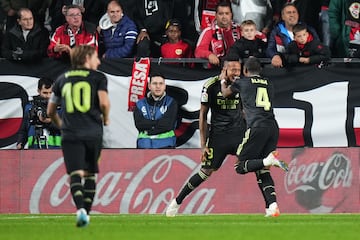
<point>184,11</point>
<point>92,11</point>
<point>282,34</point>
<point>305,49</point>
<point>345,28</point>
<point>74,32</point>
<point>150,18</point>
<point>249,44</point>
<point>118,32</point>
<point>260,12</point>
<point>175,47</point>
<point>37,130</point>
<point>215,41</point>
<point>324,23</point>
<point>155,116</point>
<point>309,10</point>
<point>38,8</point>
<point>26,41</point>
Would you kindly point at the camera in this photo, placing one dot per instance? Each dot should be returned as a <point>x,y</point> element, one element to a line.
<point>38,109</point>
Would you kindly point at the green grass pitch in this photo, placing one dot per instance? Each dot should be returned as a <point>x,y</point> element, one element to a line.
<point>184,227</point>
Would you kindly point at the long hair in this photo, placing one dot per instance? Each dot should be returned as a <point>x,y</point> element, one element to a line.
<point>79,53</point>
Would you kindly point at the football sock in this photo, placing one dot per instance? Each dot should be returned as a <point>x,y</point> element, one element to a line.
<point>267,186</point>
<point>246,166</point>
<point>193,183</point>
<point>89,192</point>
<point>77,190</point>
<point>259,182</point>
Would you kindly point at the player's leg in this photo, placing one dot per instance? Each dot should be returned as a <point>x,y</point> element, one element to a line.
<point>192,183</point>
<point>268,186</point>
<point>93,150</point>
<point>248,152</point>
<point>74,155</point>
<point>250,157</point>
<point>213,160</point>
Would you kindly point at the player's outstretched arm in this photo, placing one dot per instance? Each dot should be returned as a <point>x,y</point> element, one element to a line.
<point>104,106</point>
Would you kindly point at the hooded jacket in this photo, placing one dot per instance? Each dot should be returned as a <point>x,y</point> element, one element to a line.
<point>118,39</point>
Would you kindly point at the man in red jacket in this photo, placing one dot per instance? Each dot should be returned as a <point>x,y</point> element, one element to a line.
<point>216,40</point>
<point>74,32</point>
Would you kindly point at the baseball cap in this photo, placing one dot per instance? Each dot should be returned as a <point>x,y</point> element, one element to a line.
<point>173,22</point>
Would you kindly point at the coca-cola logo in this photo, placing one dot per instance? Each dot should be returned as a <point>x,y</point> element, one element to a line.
<point>335,172</point>
<point>146,190</point>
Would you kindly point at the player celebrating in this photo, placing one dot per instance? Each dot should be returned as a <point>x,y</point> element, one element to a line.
<point>257,153</point>
<point>82,92</point>
<point>226,130</point>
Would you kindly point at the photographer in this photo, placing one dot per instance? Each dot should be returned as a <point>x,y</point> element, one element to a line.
<point>37,129</point>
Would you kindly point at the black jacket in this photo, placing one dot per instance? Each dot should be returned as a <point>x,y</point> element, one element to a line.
<point>244,48</point>
<point>315,50</point>
<point>154,16</point>
<point>34,48</point>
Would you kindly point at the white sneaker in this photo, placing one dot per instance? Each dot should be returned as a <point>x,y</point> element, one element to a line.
<point>172,209</point>
<point>272,160</point>
<point>82,219</point>
<point>272,211</point>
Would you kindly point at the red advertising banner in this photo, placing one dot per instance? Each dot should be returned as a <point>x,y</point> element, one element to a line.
<point>320,180</point>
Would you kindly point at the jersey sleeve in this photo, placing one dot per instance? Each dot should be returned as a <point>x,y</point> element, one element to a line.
<point>102,81</point>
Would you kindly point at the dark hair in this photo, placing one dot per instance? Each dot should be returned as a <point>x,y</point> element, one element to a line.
<point>223,4</point>
<point>253,65</point>
<point>156,74</point>
<point>299,27</point>
<point>45,81</point>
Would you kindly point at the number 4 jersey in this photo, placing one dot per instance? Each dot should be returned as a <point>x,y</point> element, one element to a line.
<point>77,92</point>
<point>257,95</point>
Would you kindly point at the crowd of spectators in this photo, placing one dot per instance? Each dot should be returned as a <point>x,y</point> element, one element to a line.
<point>204,29</point>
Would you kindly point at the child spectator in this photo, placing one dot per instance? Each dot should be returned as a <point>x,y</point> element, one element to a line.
<point>175,47</point>
<point>305,49</point>
<point>251,43</point>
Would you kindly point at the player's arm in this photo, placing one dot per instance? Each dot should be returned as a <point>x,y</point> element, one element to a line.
<point>203,127</point>
<point>104,103</point>
<point>52,110</point>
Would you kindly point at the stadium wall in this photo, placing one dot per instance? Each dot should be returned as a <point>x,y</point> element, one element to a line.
<point>320,180</point>
<point>315,106</point>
